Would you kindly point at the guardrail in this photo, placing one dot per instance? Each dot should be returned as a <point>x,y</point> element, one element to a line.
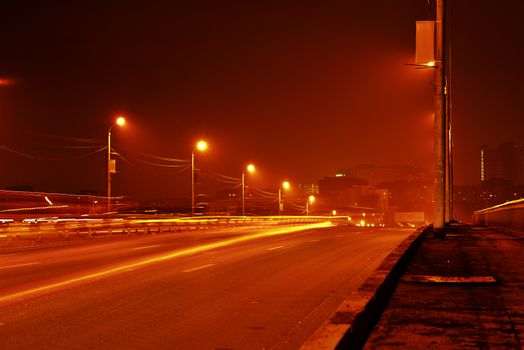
<point>509,214</point>
<point>36,232</point>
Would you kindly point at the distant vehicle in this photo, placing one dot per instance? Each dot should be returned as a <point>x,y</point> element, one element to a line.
<point>49,219</point>
<point>40,220</point>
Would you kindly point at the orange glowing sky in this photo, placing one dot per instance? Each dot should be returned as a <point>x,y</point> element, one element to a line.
<point>300,88</point>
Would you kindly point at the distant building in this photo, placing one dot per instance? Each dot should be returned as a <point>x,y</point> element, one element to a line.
<point>343,189</point>
<point>505,162</point>
<point>309,189</point>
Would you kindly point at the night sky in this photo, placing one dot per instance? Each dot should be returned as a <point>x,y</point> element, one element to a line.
<point>300,88</point>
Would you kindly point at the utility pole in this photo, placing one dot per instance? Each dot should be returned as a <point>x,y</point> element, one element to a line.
<point>440,136</point>
<point>111,166</point>
<point>280,206</point>
<point>193,183</point>
<point>109,170</point>
<point>243,194</point>
<point>450,215</point>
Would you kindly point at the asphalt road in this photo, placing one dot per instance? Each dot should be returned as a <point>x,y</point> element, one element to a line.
<point>249,288</point>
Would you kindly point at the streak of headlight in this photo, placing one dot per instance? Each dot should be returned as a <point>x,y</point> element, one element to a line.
<point>48,200</point>
<point>157,259</point>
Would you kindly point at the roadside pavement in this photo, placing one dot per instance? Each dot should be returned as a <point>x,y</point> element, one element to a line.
<point>463,292</point>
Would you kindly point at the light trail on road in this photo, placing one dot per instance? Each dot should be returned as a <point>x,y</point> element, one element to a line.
<point>156,259</point>
<point>199,268</point>
<point>18,265</point>
<point>147,247</point>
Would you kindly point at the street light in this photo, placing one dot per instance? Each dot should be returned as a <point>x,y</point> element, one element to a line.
<point>250,168</point>
<point>285,185</point>
<point>310,200</point>
<point>111,164</point>
<point>200,146</point>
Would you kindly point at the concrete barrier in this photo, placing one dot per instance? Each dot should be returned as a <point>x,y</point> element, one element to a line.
<point>509,214</point>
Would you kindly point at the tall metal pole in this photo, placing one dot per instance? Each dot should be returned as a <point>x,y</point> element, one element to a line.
<point>193,183</point>
<point>440,123</point>
<point>449,116</point>
<point>280,206</point>
<point>243,194</point>
<point>307,208</point>
<point>109,170</point>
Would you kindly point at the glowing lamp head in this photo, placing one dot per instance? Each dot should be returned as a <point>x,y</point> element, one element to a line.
<point>121,121</point>
<point>250,168</point>
<point>334,212</point>
<point>286,185</point>
<point>311,199</point>
<point>430,63</point>
<point>201,145</point>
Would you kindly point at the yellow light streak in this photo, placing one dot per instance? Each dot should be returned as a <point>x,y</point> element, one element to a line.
<point>157,259</point>
<point>35,208</point>
<point>198,268</point>
<point>48,200</point>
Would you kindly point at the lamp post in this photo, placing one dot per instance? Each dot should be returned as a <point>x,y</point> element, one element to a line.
<point>310,200</point>
<point>285,185</point>
<point>250,168</point>
<point>200,146</point>
<point>111,168</point>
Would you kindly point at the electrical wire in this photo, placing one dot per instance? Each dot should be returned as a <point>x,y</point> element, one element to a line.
<point>160,164</point>
<point>21,154</point>
<point>75,139</point>
<point>34,157</point>
<point>219,177</point>
<point>236,179</point>
<point>71,147</point>
<point>167,159</point>
<point>264,194</point>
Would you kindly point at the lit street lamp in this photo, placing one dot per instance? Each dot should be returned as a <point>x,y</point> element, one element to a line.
<point>111,163</point>
<point>285,185</point>
<point>200,146</point>
<point>250,168</point>
<point>310,200</point>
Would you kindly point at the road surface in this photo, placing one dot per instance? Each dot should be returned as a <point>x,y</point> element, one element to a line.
<point>244,288</point>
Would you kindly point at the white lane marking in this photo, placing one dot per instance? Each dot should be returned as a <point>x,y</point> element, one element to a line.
<point>199,268</point>
<point>147,246</point>
<point>19,265</point>
<point>275,248</point>
<point>314,240</point>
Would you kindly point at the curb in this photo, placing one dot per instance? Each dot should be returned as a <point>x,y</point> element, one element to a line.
<point>350,326</point>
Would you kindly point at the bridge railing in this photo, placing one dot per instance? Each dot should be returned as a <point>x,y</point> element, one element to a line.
<point>509,214</point>
<point>39,232</point>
